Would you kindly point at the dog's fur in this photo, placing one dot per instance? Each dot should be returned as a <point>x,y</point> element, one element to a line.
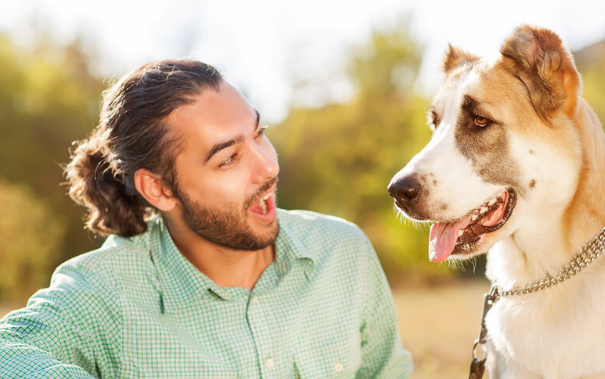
<point>516,123</point>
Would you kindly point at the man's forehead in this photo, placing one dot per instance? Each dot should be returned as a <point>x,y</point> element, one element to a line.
<point>211,108</point>
<point>214,118</point>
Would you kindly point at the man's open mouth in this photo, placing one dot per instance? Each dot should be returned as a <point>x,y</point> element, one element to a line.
<point>463,235</point>
<point>262,205</point>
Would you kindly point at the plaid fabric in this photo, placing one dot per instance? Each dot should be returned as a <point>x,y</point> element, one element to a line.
<point>136,308</point>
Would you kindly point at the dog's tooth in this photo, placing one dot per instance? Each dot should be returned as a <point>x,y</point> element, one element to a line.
<point>474,218</point>
<point>460,233</point>
<point>483,210</point>
<point>492,202</point>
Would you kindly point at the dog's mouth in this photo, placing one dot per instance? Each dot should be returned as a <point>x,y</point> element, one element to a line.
<point>464,235</point>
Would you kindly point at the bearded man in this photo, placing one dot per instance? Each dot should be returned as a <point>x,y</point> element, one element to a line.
<point>201,276</point>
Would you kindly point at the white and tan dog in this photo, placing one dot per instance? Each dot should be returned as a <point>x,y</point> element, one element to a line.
<point>516,166</point>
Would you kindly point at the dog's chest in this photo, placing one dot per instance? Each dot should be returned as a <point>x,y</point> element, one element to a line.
<point>558,333</point>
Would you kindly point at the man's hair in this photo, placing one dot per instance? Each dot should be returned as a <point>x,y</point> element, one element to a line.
<point>133,134</point>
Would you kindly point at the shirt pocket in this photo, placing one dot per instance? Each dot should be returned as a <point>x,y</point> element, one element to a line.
<point>335,361</point>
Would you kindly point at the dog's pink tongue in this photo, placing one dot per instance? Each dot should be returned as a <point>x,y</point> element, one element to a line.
<point>443,239</point>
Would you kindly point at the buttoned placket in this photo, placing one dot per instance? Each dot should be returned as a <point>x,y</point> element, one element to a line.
<point>259,323</point>
<point>261,333</point>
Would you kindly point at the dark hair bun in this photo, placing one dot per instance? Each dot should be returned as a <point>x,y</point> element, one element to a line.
<point>133,134</point>
<point>94,185</point>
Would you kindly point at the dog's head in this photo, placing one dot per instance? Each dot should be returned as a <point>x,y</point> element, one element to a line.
<point>504,145</point>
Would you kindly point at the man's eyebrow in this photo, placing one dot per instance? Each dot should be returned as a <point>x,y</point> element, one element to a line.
<point>223,145</point>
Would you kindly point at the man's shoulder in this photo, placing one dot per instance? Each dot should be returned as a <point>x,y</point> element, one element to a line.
<point>322,235</point>
<point>122,268</point>
<point>117,259</point>
<point>309,222</point>
<point>114,252</point>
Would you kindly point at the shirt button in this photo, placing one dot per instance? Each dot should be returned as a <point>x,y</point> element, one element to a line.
<point>254,299</point>
<point>269,363</point>
<point>338,367</point>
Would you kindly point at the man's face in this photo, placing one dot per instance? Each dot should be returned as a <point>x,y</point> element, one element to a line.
<point>226,171</point>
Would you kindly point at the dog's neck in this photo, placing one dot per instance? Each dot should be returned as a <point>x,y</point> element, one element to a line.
<point>585,215</point>
<point>534,249</point>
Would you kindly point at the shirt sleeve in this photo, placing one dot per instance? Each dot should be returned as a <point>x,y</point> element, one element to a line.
<point>383,356</point>
<point>51,337</point>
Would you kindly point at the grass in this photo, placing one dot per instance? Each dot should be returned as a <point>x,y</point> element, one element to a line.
<point>437,325</point>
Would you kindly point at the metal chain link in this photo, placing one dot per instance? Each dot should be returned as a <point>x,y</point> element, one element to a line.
<point>578,262</point>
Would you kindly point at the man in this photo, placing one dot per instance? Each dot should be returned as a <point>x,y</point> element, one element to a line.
<point>201,275</point>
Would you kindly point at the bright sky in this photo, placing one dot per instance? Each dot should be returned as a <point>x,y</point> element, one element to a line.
<point>260,43</point>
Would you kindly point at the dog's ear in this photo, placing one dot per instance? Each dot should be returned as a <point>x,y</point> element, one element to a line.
<point>455,57</point>
<point>538,57</point>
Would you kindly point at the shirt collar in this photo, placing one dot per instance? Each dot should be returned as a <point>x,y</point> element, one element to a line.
<point>289,249</point>
<point>182,283</point>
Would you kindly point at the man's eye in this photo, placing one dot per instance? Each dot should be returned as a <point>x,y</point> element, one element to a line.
<point>227,162</point>
<point>481,121</point>
<point>261,131</point>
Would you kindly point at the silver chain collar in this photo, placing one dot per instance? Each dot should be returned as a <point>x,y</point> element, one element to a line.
<point>578,262</point>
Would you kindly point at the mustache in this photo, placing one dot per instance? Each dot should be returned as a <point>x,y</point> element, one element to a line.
<point>260,192</point>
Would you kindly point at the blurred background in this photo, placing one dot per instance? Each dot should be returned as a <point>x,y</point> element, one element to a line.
<point>344,85</point>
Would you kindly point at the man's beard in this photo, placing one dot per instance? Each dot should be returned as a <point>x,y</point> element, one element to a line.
<point>228,227</point>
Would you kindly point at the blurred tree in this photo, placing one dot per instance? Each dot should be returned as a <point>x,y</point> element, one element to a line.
<point>591,64</point>
<point>594,90</point>
<point>32,235</point>
<point>47,100</point>
<point>339,158</point>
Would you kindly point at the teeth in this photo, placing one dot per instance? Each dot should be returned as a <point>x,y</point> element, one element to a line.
<point>263,203</point>
<point>483,210</point>
<point>474,218</point>
<point>492,202</point>
<point>460,233</point>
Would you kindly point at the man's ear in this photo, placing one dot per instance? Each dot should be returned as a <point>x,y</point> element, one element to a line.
<point>151,187</point>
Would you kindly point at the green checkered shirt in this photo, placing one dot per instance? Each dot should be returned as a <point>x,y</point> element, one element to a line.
<point>136,308</point>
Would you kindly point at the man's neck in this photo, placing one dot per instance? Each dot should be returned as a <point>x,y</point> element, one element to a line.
<point>226,267</point>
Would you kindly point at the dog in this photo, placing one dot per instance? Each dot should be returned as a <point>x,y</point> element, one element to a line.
<point>515,168</point>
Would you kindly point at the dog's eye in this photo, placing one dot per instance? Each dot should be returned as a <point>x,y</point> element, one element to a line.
<point>481,121</point>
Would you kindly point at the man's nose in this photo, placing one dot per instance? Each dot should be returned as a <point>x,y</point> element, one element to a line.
<point>267,165</point>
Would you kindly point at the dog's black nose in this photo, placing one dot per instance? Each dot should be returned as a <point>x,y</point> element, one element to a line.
<point>405,189</point>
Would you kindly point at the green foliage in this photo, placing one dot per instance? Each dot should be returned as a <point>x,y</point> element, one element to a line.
<point>591,64</point>
<point>594,90</point>
<point>31,234</point>
<point>339,159</point>
<point>47,100</point>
